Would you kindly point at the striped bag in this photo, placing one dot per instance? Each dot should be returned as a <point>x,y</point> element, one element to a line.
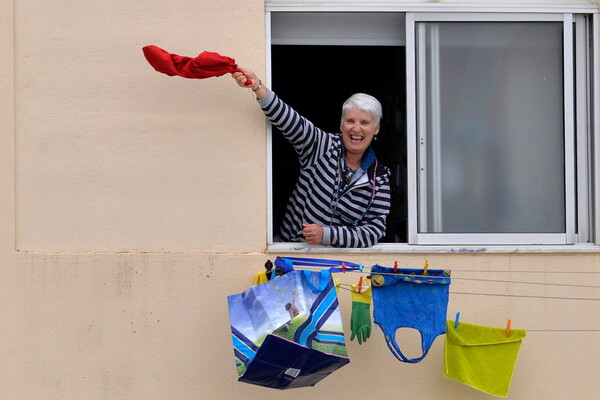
<point>288,332</point>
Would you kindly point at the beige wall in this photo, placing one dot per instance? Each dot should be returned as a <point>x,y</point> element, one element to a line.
<point>133,203</point>
<point>126,158</point>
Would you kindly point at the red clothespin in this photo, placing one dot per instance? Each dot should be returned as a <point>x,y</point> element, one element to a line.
<point>360,284</point>
<point>343,267</point>
<point>508,322</point>
<point>425,269</point>
<point>395,266</point>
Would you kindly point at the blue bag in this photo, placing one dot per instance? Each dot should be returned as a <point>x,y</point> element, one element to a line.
<point>288,332</point>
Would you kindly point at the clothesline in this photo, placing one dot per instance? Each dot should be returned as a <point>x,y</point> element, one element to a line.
<point>316,263</point>
<point>528,330</point>
<point>563,330</point>
<point>528,271</point>
<point>528,283</point>
<point>529,296</point>
<point>353,270</point>
<point>487,280</point>
<point>509,295</point>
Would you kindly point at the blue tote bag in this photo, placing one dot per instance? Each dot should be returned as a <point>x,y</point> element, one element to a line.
<point>288,332</point>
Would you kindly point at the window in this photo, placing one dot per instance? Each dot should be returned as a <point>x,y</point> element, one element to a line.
<point>339,54</point>
<point>488,121</point>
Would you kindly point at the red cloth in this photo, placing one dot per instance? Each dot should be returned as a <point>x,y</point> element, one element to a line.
<point>207,64</point>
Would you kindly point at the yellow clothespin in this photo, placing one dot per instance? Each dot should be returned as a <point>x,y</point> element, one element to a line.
<point>425,272</point>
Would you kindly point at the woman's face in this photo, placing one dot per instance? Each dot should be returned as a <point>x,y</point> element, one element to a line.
<point>358,130</point>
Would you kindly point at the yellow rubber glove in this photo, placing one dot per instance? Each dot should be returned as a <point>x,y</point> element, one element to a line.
<point>360,321</point>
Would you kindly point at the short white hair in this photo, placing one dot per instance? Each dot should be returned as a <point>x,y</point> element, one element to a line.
<point>363,102</point>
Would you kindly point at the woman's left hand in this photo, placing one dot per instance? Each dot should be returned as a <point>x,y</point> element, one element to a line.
<point>313,233</point>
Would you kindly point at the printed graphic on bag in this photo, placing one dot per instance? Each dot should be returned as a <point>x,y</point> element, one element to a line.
<point>300,307</point>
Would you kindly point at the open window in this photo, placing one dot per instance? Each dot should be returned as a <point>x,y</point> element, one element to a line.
<point>488,121</point>
<point>318,60</point>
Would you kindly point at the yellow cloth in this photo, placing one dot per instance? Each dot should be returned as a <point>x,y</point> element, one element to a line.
<point>481,357</point>
<point>260,277</point>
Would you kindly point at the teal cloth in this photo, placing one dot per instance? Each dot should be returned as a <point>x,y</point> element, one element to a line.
<point>482,357</point>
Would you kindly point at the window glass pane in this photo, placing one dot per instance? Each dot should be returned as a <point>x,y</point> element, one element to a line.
<point>490,126</point>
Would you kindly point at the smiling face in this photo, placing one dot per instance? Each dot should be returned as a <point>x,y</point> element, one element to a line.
<point>358,130</point>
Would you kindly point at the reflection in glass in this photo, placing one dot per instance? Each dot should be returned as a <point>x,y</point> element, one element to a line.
<point>490,126</point>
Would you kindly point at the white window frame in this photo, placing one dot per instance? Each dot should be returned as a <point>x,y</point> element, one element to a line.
<point>595,122</point>
<point>414,148</point>
<point>580,208</point>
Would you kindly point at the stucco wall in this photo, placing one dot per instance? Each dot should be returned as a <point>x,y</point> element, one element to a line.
<point>133,203</point>
<point>155,326</point>
<point>125,157</point>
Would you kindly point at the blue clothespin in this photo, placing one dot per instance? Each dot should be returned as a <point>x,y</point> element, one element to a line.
<point>456,320</point>
<point>360,267</point>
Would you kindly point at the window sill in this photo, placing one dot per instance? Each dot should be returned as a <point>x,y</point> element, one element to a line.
<point>412,249</point>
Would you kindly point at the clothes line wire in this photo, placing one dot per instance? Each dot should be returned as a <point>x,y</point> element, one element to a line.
<point>460,271</point>
<point>487,280</point>
<point>529,296</point>
<point>527,271</point>
<point>563,330</point>
<point>528,330</point>
<point>342,286</point>
<point>529,283</point>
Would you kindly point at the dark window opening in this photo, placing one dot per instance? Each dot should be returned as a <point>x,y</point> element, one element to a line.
<point>315,80</point>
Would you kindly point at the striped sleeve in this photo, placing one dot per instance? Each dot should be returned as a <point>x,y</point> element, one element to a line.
<point>309,141</point>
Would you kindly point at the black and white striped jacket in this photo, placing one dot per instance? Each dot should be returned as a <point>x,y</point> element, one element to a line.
<point>313,200</point>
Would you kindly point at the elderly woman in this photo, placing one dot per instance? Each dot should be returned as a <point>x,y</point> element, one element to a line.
<point>342,197</point>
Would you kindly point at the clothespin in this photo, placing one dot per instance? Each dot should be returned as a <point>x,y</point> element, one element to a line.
<point>395,266</point>
<point>270,271</point>
<point>508,321</point>
<point>343,267</point>
<point>425,272</point>
<point>456,320</point>
<point>268,265</point>
<point>360,267</point>
<point>360,282</point>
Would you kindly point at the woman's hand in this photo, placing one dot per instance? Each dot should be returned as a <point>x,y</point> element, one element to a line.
<point>313,233</point>
<point>242,77</point>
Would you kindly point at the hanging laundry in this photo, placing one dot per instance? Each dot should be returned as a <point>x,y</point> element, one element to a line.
<point>260,277</point>
<point>408,299</point>
<point>268,274</point>
<point>360,320</point>
<point>205,65</point>
<point>288,332</point>
<point>482,357</point>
